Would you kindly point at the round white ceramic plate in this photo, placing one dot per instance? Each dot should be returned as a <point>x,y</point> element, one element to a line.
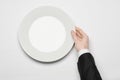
<point>24,36</point>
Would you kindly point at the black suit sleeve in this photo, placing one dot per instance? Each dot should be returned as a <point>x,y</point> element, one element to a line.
<point>87,68</point>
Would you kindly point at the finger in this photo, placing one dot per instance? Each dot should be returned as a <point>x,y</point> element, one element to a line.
<point>79,35</point>
<point>74,35</point>
<point>80,31</point>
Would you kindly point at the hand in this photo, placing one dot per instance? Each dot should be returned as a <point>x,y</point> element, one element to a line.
<point>80,39</point>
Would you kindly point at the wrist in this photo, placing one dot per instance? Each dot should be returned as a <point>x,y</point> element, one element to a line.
<point>84,48</point>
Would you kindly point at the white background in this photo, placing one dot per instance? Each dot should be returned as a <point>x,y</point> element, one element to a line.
<point>100,19</point>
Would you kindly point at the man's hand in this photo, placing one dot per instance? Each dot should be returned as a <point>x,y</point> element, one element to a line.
<point>80,39</point>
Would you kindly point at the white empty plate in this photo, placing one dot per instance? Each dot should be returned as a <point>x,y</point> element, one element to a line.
<point>45,34</point>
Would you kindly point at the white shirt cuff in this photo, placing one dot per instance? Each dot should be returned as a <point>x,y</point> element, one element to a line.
<point>82,51</point>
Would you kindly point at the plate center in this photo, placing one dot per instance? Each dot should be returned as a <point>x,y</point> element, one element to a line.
<point>47,34</point>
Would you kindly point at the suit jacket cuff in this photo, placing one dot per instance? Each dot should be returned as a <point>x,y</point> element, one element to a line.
<point>82,51</point>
